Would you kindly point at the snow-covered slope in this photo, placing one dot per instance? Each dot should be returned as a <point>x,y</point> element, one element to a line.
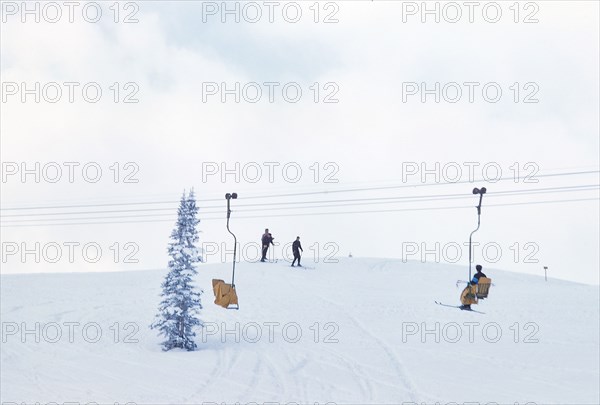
<point>362,324</point>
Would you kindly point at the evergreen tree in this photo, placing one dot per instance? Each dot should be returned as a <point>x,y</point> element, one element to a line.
<point>180,306</point>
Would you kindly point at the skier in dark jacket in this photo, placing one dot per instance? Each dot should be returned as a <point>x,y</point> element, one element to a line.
<point>266,239</point>
<point>477,275</point>
<point>471,288</point>
<point>296,248</point>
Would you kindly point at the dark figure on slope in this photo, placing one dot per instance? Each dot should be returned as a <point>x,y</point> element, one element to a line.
<point>296,248</point>
<point>267,239</point>
<point>468,295</point>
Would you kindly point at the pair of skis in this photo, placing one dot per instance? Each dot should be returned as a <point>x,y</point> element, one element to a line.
<point>284,262</point>
<point>459,307</point>
<point>304,267</point>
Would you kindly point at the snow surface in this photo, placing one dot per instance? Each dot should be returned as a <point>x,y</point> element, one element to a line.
<point>362,356</point>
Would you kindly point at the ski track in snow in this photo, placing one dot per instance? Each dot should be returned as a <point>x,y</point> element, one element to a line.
<point>217,372</point>
<point>403,375</point>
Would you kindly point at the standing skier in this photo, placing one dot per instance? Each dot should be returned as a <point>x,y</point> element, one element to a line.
<point>468,295</point>
<point>266,239</point>
<point>296,248</point>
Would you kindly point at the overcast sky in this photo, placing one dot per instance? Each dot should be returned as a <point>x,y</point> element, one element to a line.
<point>371,128</point>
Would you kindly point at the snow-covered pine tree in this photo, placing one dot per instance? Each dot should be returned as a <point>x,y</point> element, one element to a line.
<point>180,306</point>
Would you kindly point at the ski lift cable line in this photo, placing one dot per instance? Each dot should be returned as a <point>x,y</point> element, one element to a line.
<point>332,191</point>
<point>242,210</point>
<point>421,198</point>
<point>332,203</point>
<point>314,214</point>
<point>349,203</point>
<point>146,198</point>
<point>172,215</point>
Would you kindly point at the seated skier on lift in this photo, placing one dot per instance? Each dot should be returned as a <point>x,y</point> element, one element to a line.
<point>468,295</point>
<point>296,248</point>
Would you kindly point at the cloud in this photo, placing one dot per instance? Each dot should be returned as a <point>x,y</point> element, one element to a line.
<point>369,133</point>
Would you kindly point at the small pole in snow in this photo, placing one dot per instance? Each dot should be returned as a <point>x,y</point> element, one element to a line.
<point>546,273</point>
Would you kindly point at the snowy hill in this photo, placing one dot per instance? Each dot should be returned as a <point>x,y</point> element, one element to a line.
<point>350,332</point>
